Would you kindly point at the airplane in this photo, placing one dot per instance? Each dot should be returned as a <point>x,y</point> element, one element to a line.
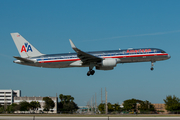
<point>101,60</point>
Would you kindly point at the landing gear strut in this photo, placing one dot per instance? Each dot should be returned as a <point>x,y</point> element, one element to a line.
<point>152,64</point>
<point>91,71</point>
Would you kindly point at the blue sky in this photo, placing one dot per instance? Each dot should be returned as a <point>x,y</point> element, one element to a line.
<point>92,25</point>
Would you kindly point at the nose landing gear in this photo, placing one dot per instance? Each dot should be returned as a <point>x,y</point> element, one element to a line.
<point>152,68</point>
<point>152,64</point>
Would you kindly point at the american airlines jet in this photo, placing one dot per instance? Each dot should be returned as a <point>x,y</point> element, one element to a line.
<point>101,60</point>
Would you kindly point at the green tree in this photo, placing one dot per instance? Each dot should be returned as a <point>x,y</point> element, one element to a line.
<point>146,107</point>
<point>111,108</point>
<point>117,107</point>
<point>11,108</point>
<point>101,108</point>
<point>35,105</point>
<point>61,96</point>
<point>1,108</point>
<point>72,99</point>
<point>172,103</point>
<point>68,98</point>
<point>131,104</point>
<point>49,104</point>
<point>67,103</point>
<point>24,106</point>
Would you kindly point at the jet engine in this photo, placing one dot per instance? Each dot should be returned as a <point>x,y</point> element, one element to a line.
<point>107,64</point>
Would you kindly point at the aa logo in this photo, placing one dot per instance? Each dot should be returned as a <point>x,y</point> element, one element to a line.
<point>26,48</point>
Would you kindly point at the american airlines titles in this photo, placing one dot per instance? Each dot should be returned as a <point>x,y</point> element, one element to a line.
<point>139,51</point>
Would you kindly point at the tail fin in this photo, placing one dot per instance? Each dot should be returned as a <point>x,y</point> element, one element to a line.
<point>25,49</point>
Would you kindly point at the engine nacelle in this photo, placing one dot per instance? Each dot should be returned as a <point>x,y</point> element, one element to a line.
<point>107,64</point>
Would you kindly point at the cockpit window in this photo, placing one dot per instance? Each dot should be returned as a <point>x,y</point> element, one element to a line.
<point>163,51</point>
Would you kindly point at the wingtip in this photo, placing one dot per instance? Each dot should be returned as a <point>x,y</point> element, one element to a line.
<point>72,44</point>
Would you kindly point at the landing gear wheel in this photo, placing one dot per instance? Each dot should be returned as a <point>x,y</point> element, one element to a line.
<point>88,73</point>
<point>92,72</point>
<point>152,68</point>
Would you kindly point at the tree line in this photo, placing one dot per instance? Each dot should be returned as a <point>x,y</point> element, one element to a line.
<point>22,106</point>
<point>66,105</point>
<point>172,105</point>
<point>129,106</point>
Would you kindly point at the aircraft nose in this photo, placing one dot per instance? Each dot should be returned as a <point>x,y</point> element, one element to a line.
<point>169,56</point>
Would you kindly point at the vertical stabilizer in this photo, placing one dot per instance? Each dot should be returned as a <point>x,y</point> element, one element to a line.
<point>25,49</point>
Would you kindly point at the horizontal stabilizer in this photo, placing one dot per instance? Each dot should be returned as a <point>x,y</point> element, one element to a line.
<point>24,59</point>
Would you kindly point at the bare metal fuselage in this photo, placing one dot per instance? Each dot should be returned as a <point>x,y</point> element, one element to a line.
<point>121,56</point>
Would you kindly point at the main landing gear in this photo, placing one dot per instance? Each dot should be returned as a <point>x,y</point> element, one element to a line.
<point>91,71</point>
<point>152,64</point>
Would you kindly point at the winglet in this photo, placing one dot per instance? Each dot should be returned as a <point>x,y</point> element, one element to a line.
<point>72,44</point>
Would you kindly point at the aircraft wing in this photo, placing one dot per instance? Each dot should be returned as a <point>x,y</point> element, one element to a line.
<point>24,59</point>
<point>85,57</point>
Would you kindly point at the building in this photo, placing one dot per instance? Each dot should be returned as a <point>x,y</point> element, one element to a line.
<point>17,100</point>
<point>160,108</point>
<point>7,96</point>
